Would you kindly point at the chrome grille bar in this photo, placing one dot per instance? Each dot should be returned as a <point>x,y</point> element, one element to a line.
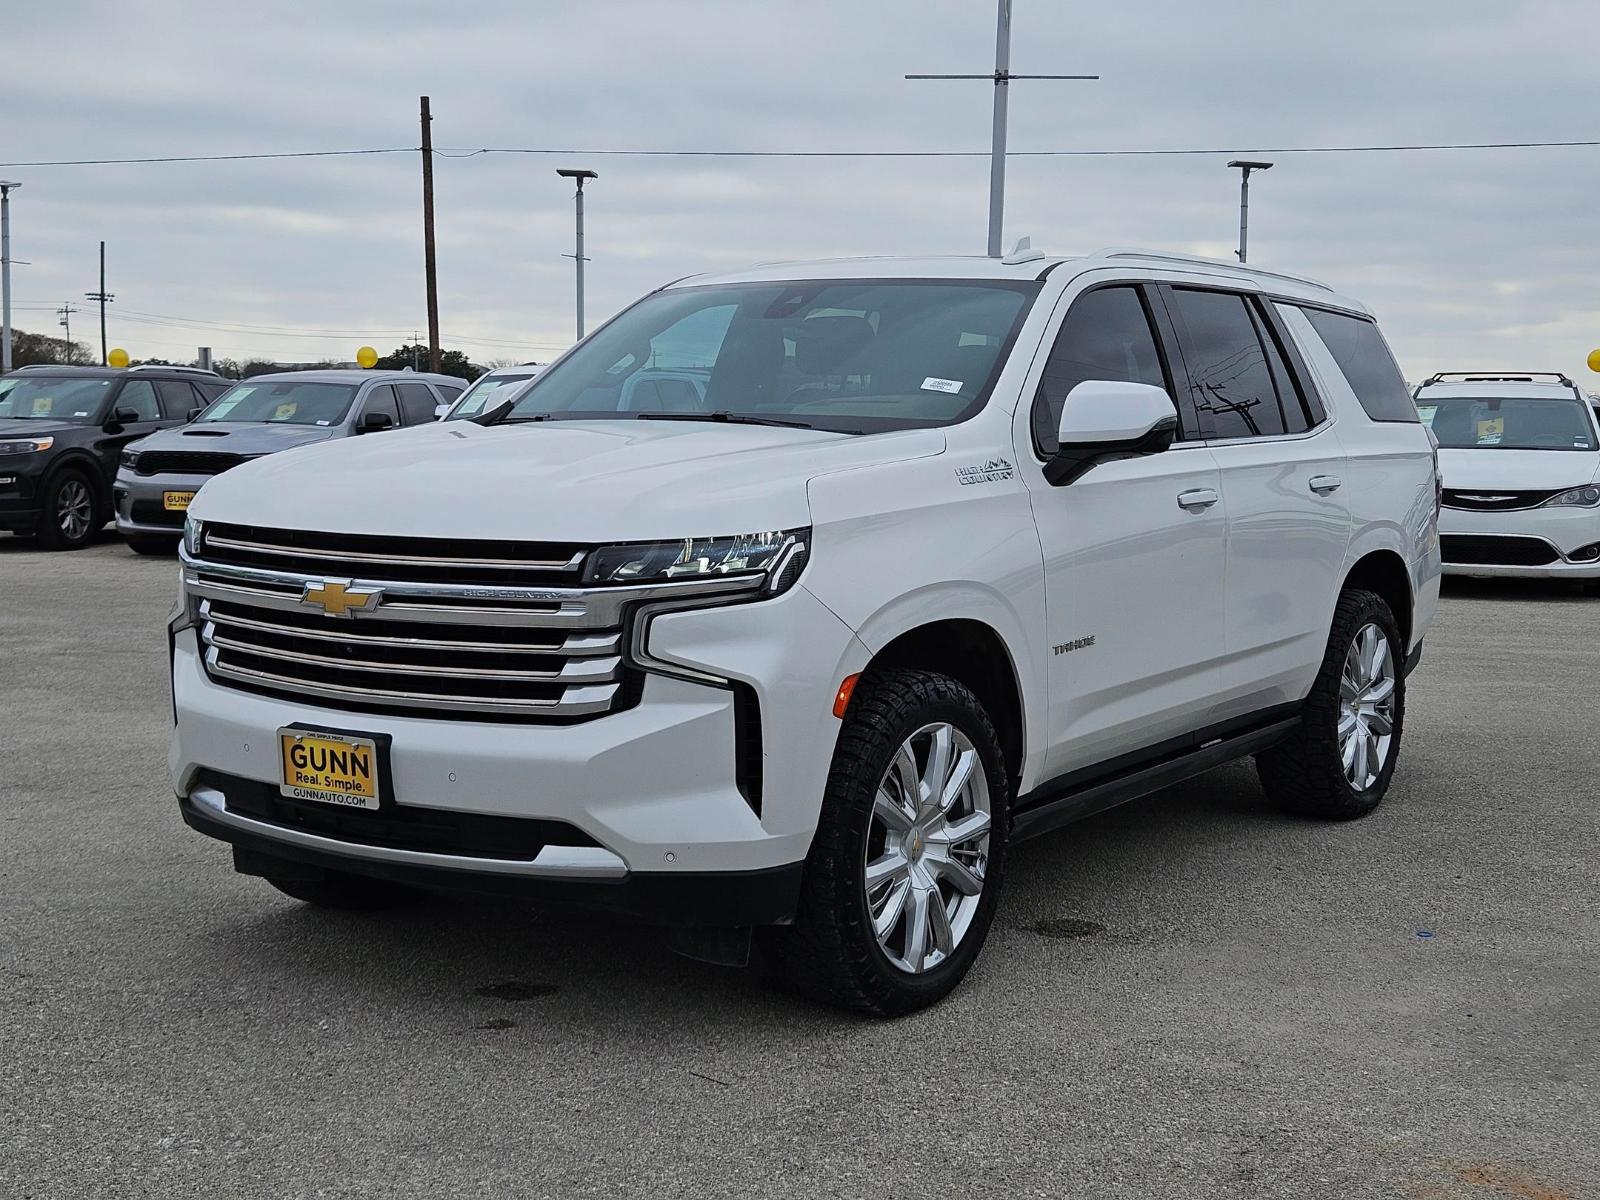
<point>392,560</point>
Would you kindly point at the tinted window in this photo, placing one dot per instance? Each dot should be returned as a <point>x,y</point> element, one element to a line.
<point>177,398</point>
<point>856,356</point>
<point>381,400</point>
<point>293,401</point>
<point>1228,373</point>
<point>1369,368</point>
<point>417,402</point>
<point>57,397</point>
<point>450,394</point>
<point>210,391</point>
<point>1508,423</point>
<point>139,395</point>
<point>1106,335</point>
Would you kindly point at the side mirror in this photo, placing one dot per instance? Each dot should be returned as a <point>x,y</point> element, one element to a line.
<point>125,416</point>
<point>193,413</point>
<point>1104,419</point>
<point>439,411</point>
<point>375,422</point>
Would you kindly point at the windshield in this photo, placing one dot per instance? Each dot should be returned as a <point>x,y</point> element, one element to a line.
<point>856,356</point>
<point>57,399</point>
<point>283,402</point>
<point>1509,422</point>
<point>487,391</point>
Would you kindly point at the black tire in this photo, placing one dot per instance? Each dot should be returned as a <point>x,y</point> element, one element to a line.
<point>831,952</point>
<point>1306,773</point>
<point>59,527</point>
<point>151,545</point>
<point>339,889</point>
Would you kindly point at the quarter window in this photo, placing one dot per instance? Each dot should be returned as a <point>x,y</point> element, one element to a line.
<point>1229,376</point>
<point>1106,335</point>
<point>1368,366</point>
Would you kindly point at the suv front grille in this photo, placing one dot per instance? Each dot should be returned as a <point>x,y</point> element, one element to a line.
<point>1493,551</point>
<point>186,462</point>
<point>1490,500</point>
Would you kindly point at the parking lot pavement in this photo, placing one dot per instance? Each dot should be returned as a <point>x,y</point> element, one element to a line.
<point>1188,997</point>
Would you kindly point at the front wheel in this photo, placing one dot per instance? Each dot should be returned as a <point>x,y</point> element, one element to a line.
<point>904,873</point>
<point>1339,762</point>
<point>68,517</point>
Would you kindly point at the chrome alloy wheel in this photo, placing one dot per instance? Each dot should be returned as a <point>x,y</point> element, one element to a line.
<point>74,509</point>
<point>1366,707</point>
<point>927,847</point>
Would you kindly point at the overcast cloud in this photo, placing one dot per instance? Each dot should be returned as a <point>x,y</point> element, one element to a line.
<point>1471,259</point>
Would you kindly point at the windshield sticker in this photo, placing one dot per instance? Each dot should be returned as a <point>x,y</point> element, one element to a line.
<point>1490,431</point>
<point>324,422</point>
<point>80,414</point>
<point>285,412</point>
<point>992,471</point>
<point>932,384</point>
<point>42,405</point>
<point>1426,412</point>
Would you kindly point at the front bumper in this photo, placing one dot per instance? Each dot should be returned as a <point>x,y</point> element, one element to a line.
<point>19,492</point>
<point>139,505</point>
<point>1567,537</point>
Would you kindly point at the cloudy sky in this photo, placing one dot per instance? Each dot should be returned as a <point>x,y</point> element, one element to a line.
<point>1473,259</point>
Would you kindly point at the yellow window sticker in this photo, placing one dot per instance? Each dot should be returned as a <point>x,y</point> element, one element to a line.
<point>284,412</point>
<point>1491,430</point>
<point>42,405</point>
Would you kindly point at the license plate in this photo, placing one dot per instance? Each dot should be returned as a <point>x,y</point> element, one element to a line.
<point>331,768</point>
<point>176,501</point>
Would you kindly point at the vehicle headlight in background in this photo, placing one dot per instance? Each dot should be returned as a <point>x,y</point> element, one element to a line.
<point>129,459</point>
<point>1578,497</point>
<point>27,445</point>
<point>192,534</point>
<point>779,555</point>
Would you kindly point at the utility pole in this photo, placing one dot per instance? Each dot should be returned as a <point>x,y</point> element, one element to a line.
<point>105,298</point>
<point>1002,78</point>
<point>427,237</point>
<point>1245,168</point>
<point>7,186</point>
<point>415,338</point>
<point>65,313</point>
<point>579,176</point>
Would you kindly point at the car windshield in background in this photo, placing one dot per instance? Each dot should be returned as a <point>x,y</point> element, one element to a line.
<point>487,392</point>
<point>287,402</point>
<point>1509,422</point>
<point>58,399</point>
<point>856,356</point>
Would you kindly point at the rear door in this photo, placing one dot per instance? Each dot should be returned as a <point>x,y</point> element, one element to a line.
<point>1282,467</point>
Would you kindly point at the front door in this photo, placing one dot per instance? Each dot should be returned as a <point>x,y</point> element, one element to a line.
<point>1133,553</point>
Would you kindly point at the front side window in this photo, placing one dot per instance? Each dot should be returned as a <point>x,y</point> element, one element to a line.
<point>291,402</point>
<point>177,398</point>
<point>139,396</point>
<point>77,401</point>
<point>1508,422</point>
<point>417,403</point>
<point>854,356</point>
<point>1106,335</point>
<point>1364,359</point>
<point>1229,377</point>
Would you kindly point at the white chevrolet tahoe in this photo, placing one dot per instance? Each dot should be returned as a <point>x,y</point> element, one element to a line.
<point>893,563</point>
<point>1520,459</point>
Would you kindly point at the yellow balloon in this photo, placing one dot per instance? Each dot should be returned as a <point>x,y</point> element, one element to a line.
<point>367,357</point>
<point>117,358</point>
<point>1594,360</point>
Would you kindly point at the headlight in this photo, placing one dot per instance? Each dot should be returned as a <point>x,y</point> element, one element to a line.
<point>779,555</point>
<point>191,537</point>
<point>129,459</point>
<point>27,445</point>
<point>1578,497</point>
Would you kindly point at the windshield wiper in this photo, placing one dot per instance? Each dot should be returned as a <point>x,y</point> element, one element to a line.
<point>725,417</point>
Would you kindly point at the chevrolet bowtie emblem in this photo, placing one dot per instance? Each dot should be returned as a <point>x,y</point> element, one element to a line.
<point>338,599</point>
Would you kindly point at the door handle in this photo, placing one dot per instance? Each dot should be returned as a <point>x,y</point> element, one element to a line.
<point>1198,499</point>
<point>1324,484</point>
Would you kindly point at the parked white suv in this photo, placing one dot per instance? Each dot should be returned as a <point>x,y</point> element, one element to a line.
<point>1520,457</point>
<point>953,552</point>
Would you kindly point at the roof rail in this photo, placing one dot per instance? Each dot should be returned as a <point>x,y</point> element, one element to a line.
<point>1199,260</point>
<point>180,370</point>
<point>1498,377</point>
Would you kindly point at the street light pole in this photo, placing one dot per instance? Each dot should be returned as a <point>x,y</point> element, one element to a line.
<point>579,176</point>
<point>1245,167</point>
<point>6,187</point>
<point>1001,78</point>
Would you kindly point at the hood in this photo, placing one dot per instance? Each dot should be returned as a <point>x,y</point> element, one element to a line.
<point>238,437</point>
<point>580,481</point>
<point>22,427</point>
<point>1517,470</point>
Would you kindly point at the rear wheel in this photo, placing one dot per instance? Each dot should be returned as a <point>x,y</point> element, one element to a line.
<point>340,889</point>
<point>1339,762</point>
<point>904,873</point>
<point>68,518</point>
<point>148,544</point>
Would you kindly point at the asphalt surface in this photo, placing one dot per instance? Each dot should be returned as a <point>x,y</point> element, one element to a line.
<point>1191,996</point>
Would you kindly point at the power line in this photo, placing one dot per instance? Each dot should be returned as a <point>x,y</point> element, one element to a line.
<point>468,152</point>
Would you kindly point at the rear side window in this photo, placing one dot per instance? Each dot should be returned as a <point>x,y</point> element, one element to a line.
<point>1363,356</point>
<point>1106,335</point>
<point>1229,377</point>
<point>417,402</point>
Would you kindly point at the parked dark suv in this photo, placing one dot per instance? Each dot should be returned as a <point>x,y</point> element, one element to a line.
<point>61,430</point>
